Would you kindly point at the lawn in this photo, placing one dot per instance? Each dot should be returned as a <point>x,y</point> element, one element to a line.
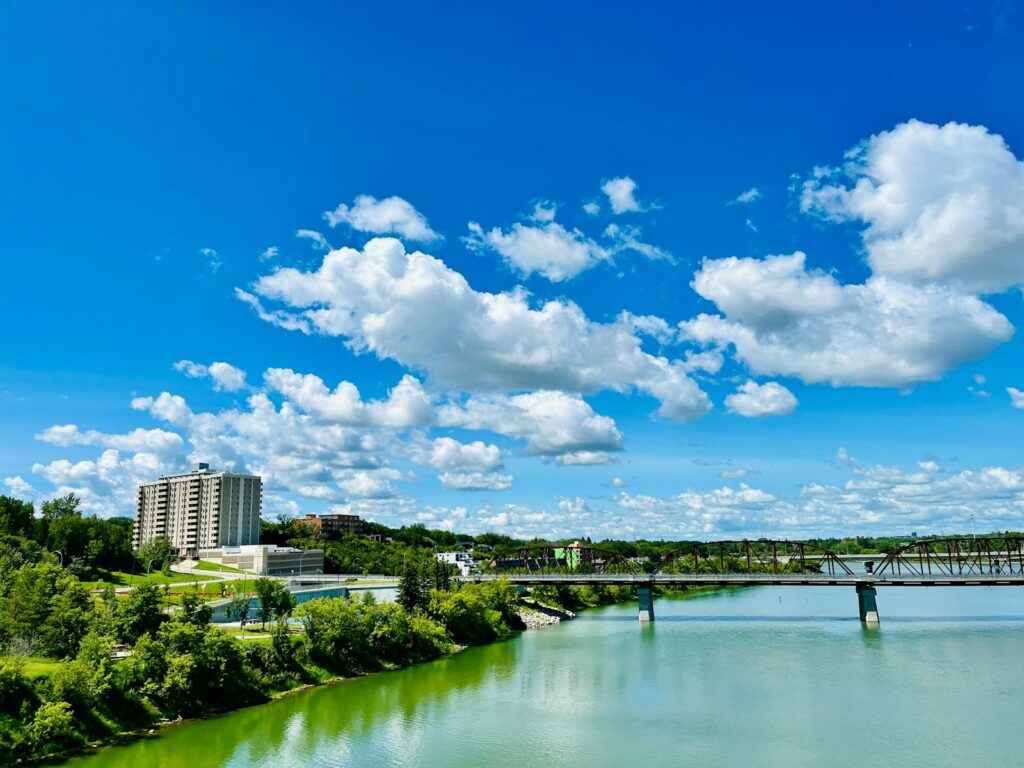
<point>122,579</point>
<point>205,565</point>
<point>38,666</point>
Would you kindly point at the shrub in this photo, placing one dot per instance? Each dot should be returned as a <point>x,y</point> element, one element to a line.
<point>52,730</point>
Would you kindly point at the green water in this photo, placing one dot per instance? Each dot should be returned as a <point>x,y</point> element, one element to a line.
<point>755,677</point>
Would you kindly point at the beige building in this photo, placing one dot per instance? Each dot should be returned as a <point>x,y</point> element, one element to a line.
<point>199,509</point>
<point>267,559</point>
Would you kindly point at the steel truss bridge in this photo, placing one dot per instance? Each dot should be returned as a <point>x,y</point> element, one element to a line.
<point>955,561</point>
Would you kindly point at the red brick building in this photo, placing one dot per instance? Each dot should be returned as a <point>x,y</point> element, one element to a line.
<point>332,525</point>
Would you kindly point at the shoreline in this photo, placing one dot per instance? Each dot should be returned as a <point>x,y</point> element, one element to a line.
<point>554,616</point>
<point>534,615</point>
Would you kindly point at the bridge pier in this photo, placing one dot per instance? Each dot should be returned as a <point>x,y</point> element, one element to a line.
<point>644,592</point>
<point>867,604</point>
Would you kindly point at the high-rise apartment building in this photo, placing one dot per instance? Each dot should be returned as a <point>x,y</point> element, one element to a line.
<point>199,510</point>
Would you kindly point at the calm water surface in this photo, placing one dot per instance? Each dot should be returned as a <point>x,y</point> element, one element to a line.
<point>760,676</point>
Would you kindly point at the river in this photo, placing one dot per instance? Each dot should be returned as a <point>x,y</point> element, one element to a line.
<point>759,676</point>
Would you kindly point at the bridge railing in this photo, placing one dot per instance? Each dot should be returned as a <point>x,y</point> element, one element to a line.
<point>733,556</point>
<point>956,556</point>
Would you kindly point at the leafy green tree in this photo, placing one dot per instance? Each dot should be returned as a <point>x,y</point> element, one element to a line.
<point>25,606</point>
<point>337,634</point>
<point>139,614</point>
<point>16,516</point>
<point>71,610</point>
<point>275,600</point>
<point>156,553</point>
<point>15,688</point>
<point>194,609</point>
<point>53,730</point>
<point>94,656</point>
<point>238,608</point>
<point>476,613</point>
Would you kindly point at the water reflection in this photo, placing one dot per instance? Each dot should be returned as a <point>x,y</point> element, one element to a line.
<point>752,676</point>
<point>322,718</point>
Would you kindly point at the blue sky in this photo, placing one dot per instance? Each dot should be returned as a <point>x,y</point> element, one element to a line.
<point>684,270</point>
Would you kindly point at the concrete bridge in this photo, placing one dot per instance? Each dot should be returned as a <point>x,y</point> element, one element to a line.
<point>948,562</point>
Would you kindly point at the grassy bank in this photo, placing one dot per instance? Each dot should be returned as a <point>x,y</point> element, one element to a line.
<point>184,667</point>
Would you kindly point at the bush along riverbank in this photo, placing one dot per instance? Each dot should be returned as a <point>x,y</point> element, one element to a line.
<point>181,666</point>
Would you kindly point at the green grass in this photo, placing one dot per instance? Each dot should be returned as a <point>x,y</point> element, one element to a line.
<point>205,565</point>
<point>39,666</point>
<point>122,579</point>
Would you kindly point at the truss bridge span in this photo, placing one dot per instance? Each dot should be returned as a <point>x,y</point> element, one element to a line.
<point>950,561</point>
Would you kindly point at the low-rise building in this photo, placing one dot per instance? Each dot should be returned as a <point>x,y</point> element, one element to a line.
<point>267,559</point>
<point>461,560</point>
<point>331,525</point>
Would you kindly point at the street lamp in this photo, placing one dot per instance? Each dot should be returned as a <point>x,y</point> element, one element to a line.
<point>973,534</point>
<point>61,554</point>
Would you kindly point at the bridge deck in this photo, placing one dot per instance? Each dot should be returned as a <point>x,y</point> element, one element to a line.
<point>751,579</point>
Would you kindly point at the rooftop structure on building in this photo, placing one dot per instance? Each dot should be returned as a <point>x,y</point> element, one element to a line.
<point>199,509</point>
<point>331,525</point>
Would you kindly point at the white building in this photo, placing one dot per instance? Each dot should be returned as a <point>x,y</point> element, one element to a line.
<point>199,509</point>
<point>461,560</point>
<point>267,559</point>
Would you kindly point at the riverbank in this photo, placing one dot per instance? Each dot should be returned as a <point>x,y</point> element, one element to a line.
<point>603,689</point>
<point>180,667</point>
<point>282,665</point>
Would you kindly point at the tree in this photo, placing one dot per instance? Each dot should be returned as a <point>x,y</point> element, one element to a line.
<point>139,614</point>
<point>275,600</point>
<point>15,516</point>
<point>52,730</point>
<point>410,593</point>
<point>238,608</point>
<point>156,552</point>
<point>71,610</point>
<point>442,575</point>
<point>194,609</point>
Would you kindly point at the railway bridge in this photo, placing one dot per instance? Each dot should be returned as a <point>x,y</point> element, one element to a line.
<point>947,562</point>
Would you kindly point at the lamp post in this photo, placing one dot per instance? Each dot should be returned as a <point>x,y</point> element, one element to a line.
<point>61,554</point>
<point>974,535</point>
<point>245,594</point>
<point>302,553</point>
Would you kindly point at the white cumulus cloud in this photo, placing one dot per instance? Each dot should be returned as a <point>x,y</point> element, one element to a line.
<point>750,196</point>
<point>550,250</point>
<point>407,404</point>
<point>412,308</point>
<point>20,487</point>
<point>784,319</point>
<point>753,400</point>
<point>552,423</point>
<point>389,216</point>
<point>225,376</point>
<point>620,192</point>
<point>155,441</point>
<point>317,239</point>
<point>475,481</point>
<point>1016,397</point>
<point>938,204</point>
